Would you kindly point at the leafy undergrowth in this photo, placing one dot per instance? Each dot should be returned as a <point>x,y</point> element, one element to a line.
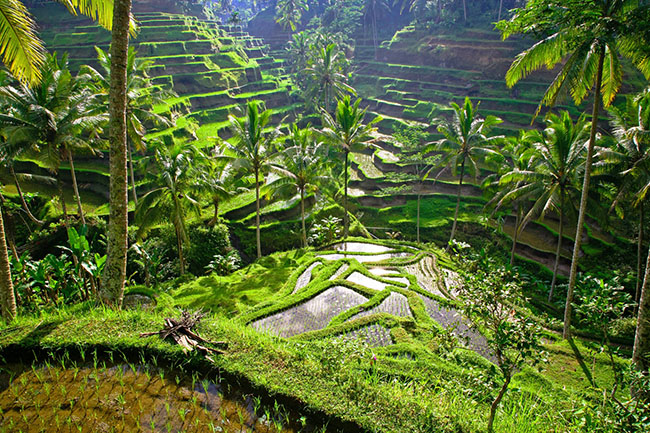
<point>395,394</point>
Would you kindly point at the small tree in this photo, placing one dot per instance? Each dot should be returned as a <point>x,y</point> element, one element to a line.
<point>490,298</point>
<point>416,155</point>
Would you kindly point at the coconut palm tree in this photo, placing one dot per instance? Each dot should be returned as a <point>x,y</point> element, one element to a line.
<point>587,38</point>
<point>141,97</point>
<point>51,118</point>
<point>629,161</point>
<point>373,9</point>
<point>171,182</point>
<point>466,144</point>
<point>216,178</point>
<point>289,13</point>
<point>326,80</point>
<point>22,51</point>
<point>114,274</point>
<point>302,168</point>
<point>516,152</point>
<point>251,149</point>
<point>551,178</point>
<point>8,155</point>
<point>347,132</point>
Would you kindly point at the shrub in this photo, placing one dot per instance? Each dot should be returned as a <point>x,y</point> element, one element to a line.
<point>205,244</point>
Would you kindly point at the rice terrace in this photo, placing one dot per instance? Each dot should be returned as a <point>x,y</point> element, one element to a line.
<point>324,216</point>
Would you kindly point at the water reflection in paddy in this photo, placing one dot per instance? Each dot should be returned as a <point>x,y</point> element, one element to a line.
<point>60,396</point>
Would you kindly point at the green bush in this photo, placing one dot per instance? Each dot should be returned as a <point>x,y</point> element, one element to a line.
<point>205,243</point>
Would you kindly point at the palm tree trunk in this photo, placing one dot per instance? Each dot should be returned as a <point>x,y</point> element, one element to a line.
<point>516,234</point>
<point>346,221</point>
<point>115,269</point>
<point>566,333</point>
<point>642,335</point>
<point>179,245</point>
<point>500,8</point>
<point>557,251</point>
<point>464,11</point>
<point>374,29</point>
<point>417,222</point>
<point>215,218</point>
<point>75,187</point>
<point>460,187</point>
<point>257,213</point>
<point>639,260</point>
<point>22,197</point>
<point>7,297</point>
<point>495,404</point>
<point>64,208</point>
<point>133,190</point>
<point>302,217</point>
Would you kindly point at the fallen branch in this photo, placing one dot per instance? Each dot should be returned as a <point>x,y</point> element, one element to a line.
<point>180,330</point>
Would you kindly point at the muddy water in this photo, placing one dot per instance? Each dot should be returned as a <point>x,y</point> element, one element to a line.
<point>63,397</point>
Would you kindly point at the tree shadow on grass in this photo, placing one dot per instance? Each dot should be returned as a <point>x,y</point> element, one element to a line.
<point>581,361</point>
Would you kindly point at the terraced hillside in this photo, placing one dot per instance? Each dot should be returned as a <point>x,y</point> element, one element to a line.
<point>416,74</point>
<point>212,68</point>
<point>373,291</point>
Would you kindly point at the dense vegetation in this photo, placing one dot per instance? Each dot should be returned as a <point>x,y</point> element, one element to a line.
<point>433,251</point>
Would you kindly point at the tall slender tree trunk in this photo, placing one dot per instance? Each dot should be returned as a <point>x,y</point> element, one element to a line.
<point>7,297</point>
<point>134,193</point>
<point>215,218</point>
<point>302,217</point>
<point>75,187</point>
<point>22,197</point>
<point>179,245</point>
<point>557,251</point>
<point>346,220</point>
<point>641,354</point>
<point>516,234</point>
<point>495,403</point>
<point>500,8</point>
<point>374,30</point>
<point>639,259</point>
<point>64,208</point>
<point>464,11</point>
<point>257,213</point>
<point>460,187</point>
<point>583,199</point>
<point>115,269</point>
<point>417,222</point>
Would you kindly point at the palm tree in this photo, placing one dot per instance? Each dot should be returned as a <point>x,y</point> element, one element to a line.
<point>252,149</point>
<point>22,51</point>
<point>7,297</point>
<point>325,78</point>
<point>516,153</point>
<point>171,181</point>
<point>372,9</point>
<point>8,155</point>
<point>630,159</point>
<point>587,38</point>
<point>217,179</point>
<point>347,132</point>
<point>117,243</point>
<point>466,140</point>
<point>50,118</point>
<point>289,13</point>
<point>141,97</point>
<point>550,180</point>
<point>301,168</point>
<point>415,153</point>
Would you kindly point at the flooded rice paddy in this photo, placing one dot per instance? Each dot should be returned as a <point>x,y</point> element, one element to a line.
<point>63,396</point>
